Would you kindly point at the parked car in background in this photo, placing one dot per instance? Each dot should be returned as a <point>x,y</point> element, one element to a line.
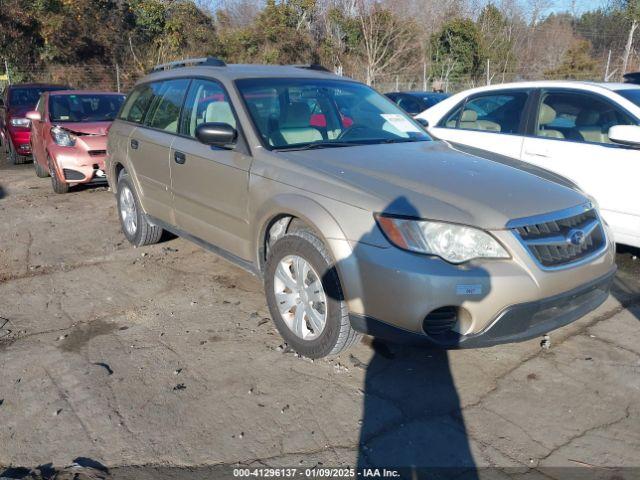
<point>15,132</point>
<point>416,102</point>
<point>632,77</point>
<point>360,226</point>
<point>587,132</point>
<point>69,135</point>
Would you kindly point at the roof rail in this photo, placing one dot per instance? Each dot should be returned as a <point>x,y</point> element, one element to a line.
<point>204,62</point>
<point>314,66</point>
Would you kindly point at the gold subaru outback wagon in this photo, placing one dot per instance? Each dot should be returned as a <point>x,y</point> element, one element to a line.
<point>356,219</point>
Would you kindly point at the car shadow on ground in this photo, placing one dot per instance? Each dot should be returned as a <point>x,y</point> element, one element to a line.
<point>412,420</point>
<point>626,284</point>
<point>82,468</point>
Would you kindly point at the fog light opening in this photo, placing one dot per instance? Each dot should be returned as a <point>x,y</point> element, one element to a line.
<point>447,323</point>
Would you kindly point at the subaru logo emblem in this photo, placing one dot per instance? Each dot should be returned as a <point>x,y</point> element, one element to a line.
<point>576,237</point>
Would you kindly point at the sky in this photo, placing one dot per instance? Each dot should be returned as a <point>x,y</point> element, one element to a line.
<point>579,5</point>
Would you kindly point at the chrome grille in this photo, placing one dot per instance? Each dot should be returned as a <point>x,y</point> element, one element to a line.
<point>565,239</point>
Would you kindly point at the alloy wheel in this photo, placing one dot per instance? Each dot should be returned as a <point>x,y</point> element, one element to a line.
<point>300,297</point>
<point>128,211</point>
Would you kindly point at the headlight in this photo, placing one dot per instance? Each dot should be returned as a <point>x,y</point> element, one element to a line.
<point>62,137</point>
<point>20,122</point>
<point>453,243</point>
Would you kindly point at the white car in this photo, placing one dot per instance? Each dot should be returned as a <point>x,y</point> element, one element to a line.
<point>587,132</point>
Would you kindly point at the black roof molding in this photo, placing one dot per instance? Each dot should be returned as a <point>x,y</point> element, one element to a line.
<point>196,62</point>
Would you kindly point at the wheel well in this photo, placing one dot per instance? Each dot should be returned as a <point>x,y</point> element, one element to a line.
<point>118,169</point>
<point>276,228</point>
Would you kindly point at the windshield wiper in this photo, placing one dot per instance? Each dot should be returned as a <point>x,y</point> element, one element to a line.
<point>318,145</point>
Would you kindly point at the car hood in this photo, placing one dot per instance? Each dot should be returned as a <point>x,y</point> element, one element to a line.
<point>432,180</point>
<point>85,128</point>
<point>18,112</point>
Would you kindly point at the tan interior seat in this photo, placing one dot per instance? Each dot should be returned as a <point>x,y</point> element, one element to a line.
<point>545,117</point>
<point>587,123</point>
<point>220,112</point>
<point>469,119</point>
<point>295,127</point>
<point>489,126</point>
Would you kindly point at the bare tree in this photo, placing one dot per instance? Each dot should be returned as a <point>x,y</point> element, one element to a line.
<point>386,39</point>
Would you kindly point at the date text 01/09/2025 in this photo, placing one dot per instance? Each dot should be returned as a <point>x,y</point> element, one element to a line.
<point>315,473</point>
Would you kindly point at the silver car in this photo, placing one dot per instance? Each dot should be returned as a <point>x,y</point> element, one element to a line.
<point>356,219</point>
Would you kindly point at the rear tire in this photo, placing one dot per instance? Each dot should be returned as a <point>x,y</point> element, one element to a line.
<point>135,226</point>
<point>58,185</point>
<point>336,335</point>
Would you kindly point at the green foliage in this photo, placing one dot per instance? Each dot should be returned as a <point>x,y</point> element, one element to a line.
<point>457,50</point>
<point>577,64</point>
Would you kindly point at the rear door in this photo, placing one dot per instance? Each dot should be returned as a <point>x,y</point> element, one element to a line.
<point>210,184</point>
<point>150,145</point>
<point>570,137</point>
<point>492,121</point>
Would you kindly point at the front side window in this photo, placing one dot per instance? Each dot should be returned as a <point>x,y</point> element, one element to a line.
<point>84,107</point>
<point>578,117</point>
<point>314,113</point>
<point>207,102</point>
<point>497,112</point>
<point>164,112</point>
<point>137,104</point>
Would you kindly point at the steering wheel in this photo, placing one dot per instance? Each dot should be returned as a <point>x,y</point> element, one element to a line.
<point>349,130</point>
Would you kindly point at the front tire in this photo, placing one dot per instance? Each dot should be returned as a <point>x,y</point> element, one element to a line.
<point>135,226</point>
<point>58,185</point>
<point>41,172</point>
<point>305,296</point>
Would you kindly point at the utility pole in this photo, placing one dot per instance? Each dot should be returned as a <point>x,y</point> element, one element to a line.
<point>424,76</point>
<point>6,69</point>
<point>118,77</point>
<point>627,50</point>
<point>606,70</point>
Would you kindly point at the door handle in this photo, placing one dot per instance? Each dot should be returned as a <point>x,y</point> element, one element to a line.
<point>537,153</point>
<point>134,144</point>
<point>180,158</point>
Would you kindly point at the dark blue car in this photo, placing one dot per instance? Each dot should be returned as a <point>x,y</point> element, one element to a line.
<point>416,102</point>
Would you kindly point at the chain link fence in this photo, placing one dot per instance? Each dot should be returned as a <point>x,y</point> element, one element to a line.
<point>118,78</point>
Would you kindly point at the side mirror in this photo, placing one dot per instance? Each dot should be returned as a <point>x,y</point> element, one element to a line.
<point>34,116</point>
<point>625,135</point>
<point>216,134</point>
<point>422,121</point>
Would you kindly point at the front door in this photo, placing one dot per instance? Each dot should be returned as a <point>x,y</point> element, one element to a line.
<point>38,148</point>
<point>210,185</point>
<point>490,121</point>
<point>571,138</point>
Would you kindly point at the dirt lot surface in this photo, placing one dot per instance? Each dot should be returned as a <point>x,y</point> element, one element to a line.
<point>165,357</point>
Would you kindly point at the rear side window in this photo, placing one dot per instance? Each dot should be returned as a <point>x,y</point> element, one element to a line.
<point>580,117</point>
<point>207,102</point>
<point>137,104</point>
<point>164,112</point>
<point>497,112</point>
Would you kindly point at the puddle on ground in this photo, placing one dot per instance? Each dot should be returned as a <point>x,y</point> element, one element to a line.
<point>82,334</point>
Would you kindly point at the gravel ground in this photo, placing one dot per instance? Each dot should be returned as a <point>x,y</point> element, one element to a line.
<point>162,362</point>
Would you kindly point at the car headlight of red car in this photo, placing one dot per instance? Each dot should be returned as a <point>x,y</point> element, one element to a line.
<point>20,122</point>
<point>62,137</point>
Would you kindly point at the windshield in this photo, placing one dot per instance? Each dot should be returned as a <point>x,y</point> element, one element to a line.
<point>84,108</point>
<point>28,97</point>
<point>314,113</point>
<point>633,95</point>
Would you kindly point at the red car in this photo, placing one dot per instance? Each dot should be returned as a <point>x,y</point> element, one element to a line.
<point>15,102</point>
<point>69,136</point>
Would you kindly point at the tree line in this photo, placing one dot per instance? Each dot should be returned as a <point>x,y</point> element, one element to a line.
<point>441,44</point>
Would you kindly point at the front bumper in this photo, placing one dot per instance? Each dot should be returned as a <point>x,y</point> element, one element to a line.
<point>516,323</point>
<point>80,164</point>
<point>20,140</point>
<point>473,304</point>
